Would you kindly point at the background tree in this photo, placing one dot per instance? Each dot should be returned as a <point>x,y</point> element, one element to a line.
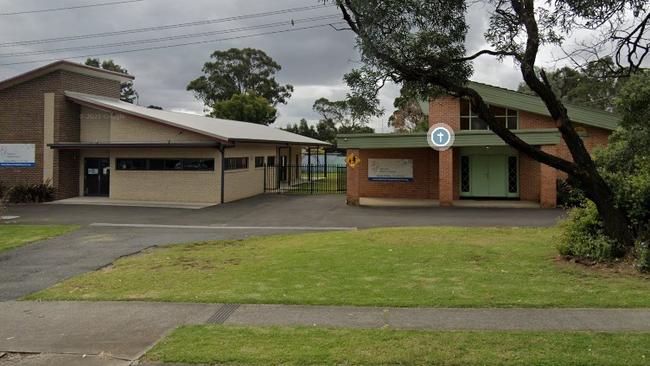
<point>423,44</point>
<point>324,130</point>
<point>408,116</point>
<point>303,128</point>
<point>127,93</point>
<point>238,72</point>
<point>348,116</point>
<point>592,86</point>
<point>245,107</point>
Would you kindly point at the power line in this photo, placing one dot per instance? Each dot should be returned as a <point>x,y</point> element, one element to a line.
<point>177,45</point>
<point>170,38</point>
<point>163,27</point>
<point>72,7</point>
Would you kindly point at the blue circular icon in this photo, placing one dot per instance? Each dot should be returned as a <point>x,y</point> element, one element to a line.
<point>440,137</point>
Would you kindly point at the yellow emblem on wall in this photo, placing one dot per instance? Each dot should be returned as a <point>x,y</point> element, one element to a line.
<point>353,160</point>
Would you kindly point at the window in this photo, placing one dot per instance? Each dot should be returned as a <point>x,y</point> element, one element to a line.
<point>259,161</point>
<point>512,175</point>
<point>166,164</point>
<point>236,163</point>
<point>470,121</point>
<point>464,174</point>
<point>270,160</point>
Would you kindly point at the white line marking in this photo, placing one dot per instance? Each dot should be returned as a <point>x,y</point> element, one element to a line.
<point>299,228</point>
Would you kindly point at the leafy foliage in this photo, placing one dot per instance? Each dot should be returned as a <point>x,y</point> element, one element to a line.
<point>625,165</point>
<point>29,193</point>
<point>409,116</point>
<point>569,194</point>
<point>245,107</point>
<point>594,87</point>
<point>237,72</point>
<point>128,93</point>
<point>348,115</point>
<point>583,235</point>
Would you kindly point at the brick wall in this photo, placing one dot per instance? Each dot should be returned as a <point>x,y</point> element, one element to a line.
<point>425,175</point>
<point>21,121</point>
<point>445,110</point>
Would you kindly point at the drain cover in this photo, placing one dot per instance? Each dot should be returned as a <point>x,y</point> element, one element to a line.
<point>221,315</point>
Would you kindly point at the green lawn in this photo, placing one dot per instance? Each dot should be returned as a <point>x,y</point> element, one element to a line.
<point>436,267</point>
<point>226,345</point>
<point>12,236</point>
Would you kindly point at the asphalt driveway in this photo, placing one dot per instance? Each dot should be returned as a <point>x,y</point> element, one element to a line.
<point>279,210</point>
<point>110,232</point>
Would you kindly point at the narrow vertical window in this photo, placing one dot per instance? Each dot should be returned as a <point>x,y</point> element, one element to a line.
<point>464,174</point>
<point>512,174</point>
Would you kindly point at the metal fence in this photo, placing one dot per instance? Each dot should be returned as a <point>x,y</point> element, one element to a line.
<point>305,179</point>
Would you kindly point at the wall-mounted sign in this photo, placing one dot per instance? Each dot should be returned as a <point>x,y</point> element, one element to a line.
<point>17,155</point>
<point>352,160</point>
<point>390,170</point>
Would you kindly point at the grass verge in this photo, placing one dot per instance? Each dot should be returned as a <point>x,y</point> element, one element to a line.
<point>226,345</point>
<point>13,236</point>
<point>421,267</point>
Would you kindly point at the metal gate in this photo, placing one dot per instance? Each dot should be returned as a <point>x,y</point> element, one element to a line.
<point>305,179</point>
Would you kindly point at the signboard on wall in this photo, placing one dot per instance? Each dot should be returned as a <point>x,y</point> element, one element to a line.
<point>390,170</point>
<point>17,155</point>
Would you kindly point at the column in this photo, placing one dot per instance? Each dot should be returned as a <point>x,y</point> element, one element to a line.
<point>446,177</point>
<point>548,181</point>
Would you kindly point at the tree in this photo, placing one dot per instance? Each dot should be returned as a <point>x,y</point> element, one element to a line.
<point>303,128</point>
<point>351,115</point>
<point>127,92</point>
<point>409,116</point>
<point>592,86</point>
<point>421,43</point>
<point>245,107</point>
<point>237,72</point>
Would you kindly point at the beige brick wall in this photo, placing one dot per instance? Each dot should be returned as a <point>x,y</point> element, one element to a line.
<point>95,125</point>
<point>166,186</point>
<point>249,182</point>
<point>125,128</point>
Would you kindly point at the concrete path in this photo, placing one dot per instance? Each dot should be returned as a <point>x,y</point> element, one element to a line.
<point>106,333</point>
<point>114,333</point>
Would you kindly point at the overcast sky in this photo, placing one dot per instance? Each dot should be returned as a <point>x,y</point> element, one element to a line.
<point>314,61</point>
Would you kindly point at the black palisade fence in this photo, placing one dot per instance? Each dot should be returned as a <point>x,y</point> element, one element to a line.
<point>305,179</point>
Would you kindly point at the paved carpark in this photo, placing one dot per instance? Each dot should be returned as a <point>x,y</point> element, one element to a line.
<point>287,210</point>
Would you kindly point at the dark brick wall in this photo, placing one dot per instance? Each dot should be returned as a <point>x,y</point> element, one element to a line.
<point>21,121</point>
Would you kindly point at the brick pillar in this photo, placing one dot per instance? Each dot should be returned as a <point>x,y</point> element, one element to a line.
<point>352,195</point>
<point>446,177</point>
<point>547,183</point>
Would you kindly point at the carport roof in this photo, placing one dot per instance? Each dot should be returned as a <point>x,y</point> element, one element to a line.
<point>226,131</point>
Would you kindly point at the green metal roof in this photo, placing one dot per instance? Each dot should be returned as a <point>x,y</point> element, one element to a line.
<point>498,96</point>
<point>545,136</point>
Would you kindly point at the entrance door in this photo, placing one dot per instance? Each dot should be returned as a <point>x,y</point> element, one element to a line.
<point>283,174</point>
<point>489,176</point>
<point>96,177</point>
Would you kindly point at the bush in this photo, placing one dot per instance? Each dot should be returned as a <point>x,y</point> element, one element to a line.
<point>3,189</point>
<point>29,193</point>
<point>642,254</point>
<point>583,236</point>
<point>568,194</point>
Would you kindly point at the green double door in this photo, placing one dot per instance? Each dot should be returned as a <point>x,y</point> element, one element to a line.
<point>489,175</point>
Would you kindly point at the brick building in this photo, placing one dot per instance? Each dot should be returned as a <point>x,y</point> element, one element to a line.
<point>479,165</point>
<point>64,123</point>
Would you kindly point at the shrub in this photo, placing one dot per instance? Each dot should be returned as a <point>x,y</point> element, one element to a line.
<point>583,236</point>
<point>568,194</point>
<point>30,193</point>
<point>642,254</point>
